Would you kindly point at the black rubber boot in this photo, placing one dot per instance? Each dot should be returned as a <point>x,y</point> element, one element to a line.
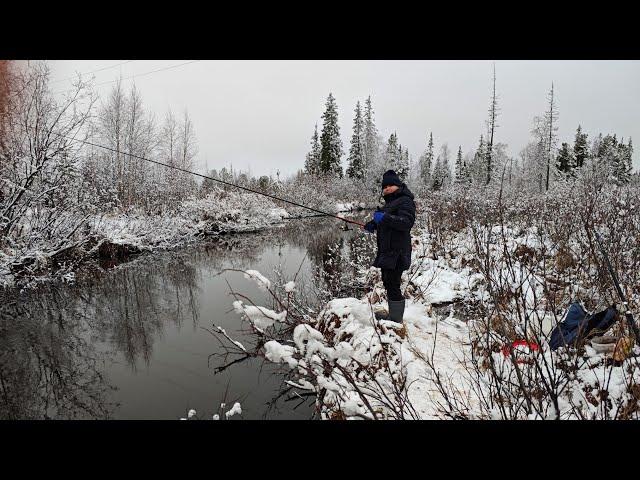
<point>396,310</point>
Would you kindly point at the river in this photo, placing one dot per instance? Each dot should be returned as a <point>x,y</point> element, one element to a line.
<point>133,341</point>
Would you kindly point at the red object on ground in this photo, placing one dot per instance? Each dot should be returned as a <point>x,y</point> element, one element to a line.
<point>506,350</point>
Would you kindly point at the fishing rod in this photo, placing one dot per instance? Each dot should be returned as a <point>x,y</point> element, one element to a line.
<point>210,178</point>
<point>302,217</point>
<point>323,215</point>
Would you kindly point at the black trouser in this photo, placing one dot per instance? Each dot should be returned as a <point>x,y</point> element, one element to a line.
<point>392,279</point>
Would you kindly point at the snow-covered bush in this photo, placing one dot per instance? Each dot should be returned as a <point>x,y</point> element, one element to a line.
<point>508,265</point>
<point>536,255</point>
<point>42,211</point>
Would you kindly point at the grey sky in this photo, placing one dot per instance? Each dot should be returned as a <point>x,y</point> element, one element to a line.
<point>261,114</point>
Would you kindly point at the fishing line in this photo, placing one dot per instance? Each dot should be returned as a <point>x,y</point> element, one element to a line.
<point>86,142</point>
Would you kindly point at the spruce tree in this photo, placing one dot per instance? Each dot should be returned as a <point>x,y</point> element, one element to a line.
<point>312,163</point>
<point>400,161</point>
<point>459,167</point>
<point>446,168</point>
<point>442,170</point>
<point>356,152</point>
<point>611,159</point>
<point>479,162</point>
<point>404,164</point>
<point>391,152</point>
<point>564,161</point>
<point>331,144</point>
<point>607,153</point>
<point>580,148</point>
<point>425,163</point>
<point>437,177</point>
<point>596,147</point>
<point>623,166</point>
<point>370,136</point>
<point>466,172</point>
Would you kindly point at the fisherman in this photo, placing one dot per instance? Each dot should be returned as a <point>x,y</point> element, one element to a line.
<point>393,223</point>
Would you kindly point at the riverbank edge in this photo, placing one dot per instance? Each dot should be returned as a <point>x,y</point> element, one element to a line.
<point>108,245</point>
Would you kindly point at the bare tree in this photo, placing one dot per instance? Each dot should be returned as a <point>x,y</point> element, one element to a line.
<point>550,118</point>
<point>5,88</point>
<point>492,125</point>
<point>39,211</point>
<point>140,142</point>
<point>188,150</point>
<point>169,152</point>
<point>111,130</point>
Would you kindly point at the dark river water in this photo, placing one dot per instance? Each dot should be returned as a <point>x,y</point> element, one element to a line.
<point>132,342</point>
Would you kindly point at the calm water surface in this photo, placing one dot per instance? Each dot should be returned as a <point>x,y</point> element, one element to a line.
<point>132,342</point>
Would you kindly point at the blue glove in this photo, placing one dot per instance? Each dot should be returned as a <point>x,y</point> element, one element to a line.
<point>370,227</point>
<point>378,216</point>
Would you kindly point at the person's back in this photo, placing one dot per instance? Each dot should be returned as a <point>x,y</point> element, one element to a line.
<point>393,223</point>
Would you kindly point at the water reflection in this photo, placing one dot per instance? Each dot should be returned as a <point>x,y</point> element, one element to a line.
<point>337,256</point>
<point>65,350</point>
<point>49,367</point>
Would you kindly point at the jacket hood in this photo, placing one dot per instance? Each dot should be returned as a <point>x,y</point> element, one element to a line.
<point>403,191</point>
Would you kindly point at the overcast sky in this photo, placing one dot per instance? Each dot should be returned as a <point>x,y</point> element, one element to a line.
<point>261,114</point>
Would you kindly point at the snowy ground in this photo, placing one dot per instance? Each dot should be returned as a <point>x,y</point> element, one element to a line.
<point>345,331</point>
<point>361,367</point>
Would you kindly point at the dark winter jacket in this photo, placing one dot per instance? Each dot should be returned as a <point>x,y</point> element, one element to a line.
<point>393,232</point>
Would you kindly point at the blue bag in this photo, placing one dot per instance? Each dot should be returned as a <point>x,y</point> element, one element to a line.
<point>578,324</point>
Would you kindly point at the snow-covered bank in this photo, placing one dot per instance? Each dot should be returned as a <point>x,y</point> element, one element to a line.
<point>448,359</point>
<point>357,364</point>
<point>194,218</point>
<point>26,261</point>
<point>348,207</point>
